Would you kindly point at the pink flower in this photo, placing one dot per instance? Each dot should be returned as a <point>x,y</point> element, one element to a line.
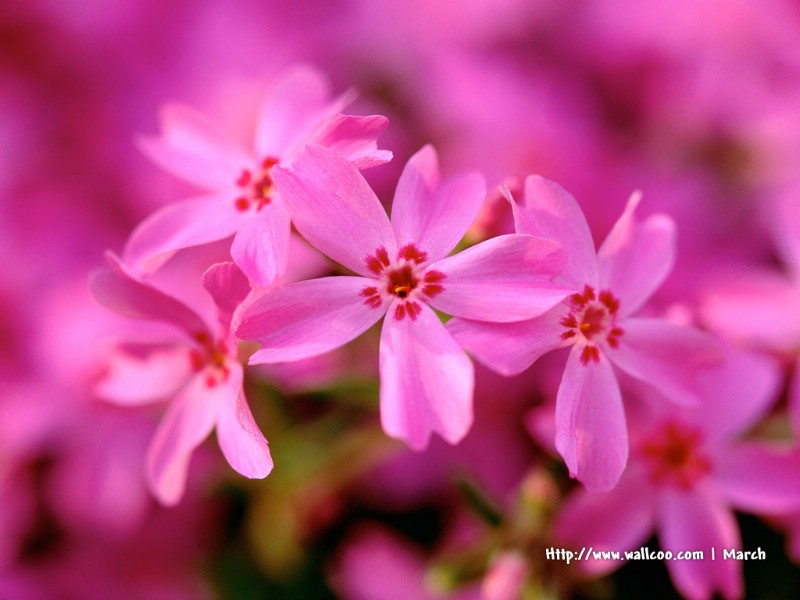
<point>375,563</point>
<point>596,321</point>
<point>244,200</point>
<point>195,363</point>
<point>403,270</point>
<point>689,468</point>
<point>760,308</point>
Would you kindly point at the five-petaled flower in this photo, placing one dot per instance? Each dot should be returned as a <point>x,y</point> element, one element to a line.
<point>403,270</point>
<point>195,363</point>
<point>689,469</point>
<point>596,320</point>
<point>244,199</point>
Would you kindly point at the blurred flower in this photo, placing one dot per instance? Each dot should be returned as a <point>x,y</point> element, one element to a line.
<point>689,468</point>
<point>596,321</point>
<point>198,366</point>
<point>426,379</point>
<point>246,201</point>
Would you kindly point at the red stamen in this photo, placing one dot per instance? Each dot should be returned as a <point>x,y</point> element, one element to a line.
<point>379,261</point>
<point>244,178</point>
<point>673,455</point>
<point>373,297</point>
<point>588,353</point>
<point>410,252</point>
<point>413,310</point>
<point>400,311</point>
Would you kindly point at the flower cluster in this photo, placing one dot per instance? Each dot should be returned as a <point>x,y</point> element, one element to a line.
<point>358,342</point>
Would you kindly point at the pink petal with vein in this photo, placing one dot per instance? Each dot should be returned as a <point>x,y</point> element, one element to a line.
<point>307,318</point>
<point>750,382</point>
<point>757,308</point>
<point>334,208</point>
<point>354,138</point>
<point>180,225</point>
<point>669,357</point>
<point>509,348</point>
<point>191,148</point>
<point>758,478</point>
<point>591,434</point>
<point>426,381</point>
<point>240,439</point>
<point>506,278</point>
<point>228,287</point>
<point>549,211</point>
<point>293,105</point>
<point>132,380</point>
<point>115,289</point>
<point>187,422</point>
<point>619,520</point>
<point>699,521</point>
<point>636,257</point>
<point>261,246</point>
<point>432,217</point>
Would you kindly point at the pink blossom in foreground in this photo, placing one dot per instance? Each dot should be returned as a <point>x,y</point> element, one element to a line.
<point>689,469</point>
<point>403,270</point>
<point>195,364</point>
<point>596,321</point>
<point>244,200</point>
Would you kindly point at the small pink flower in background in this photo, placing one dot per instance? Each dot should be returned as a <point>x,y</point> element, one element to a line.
<point>596,321</point>
<point>375,563</point>
<point>689,468</point>
<point>195,363</point>
<point>244,200</point>
<point>403,270</point>
<point>760,307</point>
<point>506,577</point>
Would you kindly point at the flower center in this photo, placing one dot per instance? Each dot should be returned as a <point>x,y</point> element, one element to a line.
<point>210,357</point>
<point>592,319</point>
<point>404,280</point>
<point>673,455</point>
<point>256,188</point>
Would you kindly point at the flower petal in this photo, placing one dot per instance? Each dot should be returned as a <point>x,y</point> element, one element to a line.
<point>509,348</point>
<point>117,290</point>
<point>619,520</point>
<point>757,478</point>
<point>426,381</point>
<point>636,257</point>
<point>334,208</point>
<point>180,225</point>
<point>191,148</point>
<point>261,246</point>
<point>549,211</point>
<point>240,439</point>
<point>132,380</point>
<point>786,227</point>
<point>793,394</point>
<point>756,308</point>
<point>228,287</point>
<point>307,318</point>
<point>432,217</point>
<point>506,278</point>
<point>591,434</point>
<point>667,356</point>
<point>750,382</point>
<point>699,521</point>
<point>354,138</point>
<point>295,102</point>
<point>187,422</point>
